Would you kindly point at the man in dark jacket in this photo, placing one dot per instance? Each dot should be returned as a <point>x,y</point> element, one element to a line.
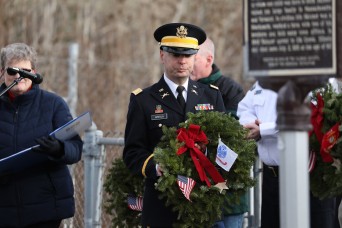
<point>164,104</point>
<point>38,192</point>
<point>205,71</point>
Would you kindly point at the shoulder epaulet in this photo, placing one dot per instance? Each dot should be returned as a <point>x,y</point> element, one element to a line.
<point>214,87</point>
<point>137,91</point>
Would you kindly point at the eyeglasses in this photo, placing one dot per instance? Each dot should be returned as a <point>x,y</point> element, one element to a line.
<point>13,71</point>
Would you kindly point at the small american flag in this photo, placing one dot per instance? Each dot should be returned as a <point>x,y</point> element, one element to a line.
<point>135,203</point>
<point>186,185</point>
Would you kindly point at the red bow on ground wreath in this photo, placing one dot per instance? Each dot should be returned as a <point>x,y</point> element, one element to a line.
<point>329,140</point>
<point>202,163</point>
<point>317,118</point>
<point>317,123</point>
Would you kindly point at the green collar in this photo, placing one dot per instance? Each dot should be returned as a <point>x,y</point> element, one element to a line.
<point>212,78</point>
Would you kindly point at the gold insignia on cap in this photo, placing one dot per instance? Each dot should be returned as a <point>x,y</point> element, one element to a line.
<point>182,32</point>
<point>214,87</point>
<point>137,91</point>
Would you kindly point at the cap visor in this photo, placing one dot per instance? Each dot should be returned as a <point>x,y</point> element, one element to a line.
<point>177,50</point>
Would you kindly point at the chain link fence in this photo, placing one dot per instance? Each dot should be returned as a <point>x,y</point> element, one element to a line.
<point>89,175</point>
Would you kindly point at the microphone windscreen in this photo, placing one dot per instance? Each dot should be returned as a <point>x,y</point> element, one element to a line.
<point>39,79</point>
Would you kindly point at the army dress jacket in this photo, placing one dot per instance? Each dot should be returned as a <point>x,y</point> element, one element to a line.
<point>148,111</point>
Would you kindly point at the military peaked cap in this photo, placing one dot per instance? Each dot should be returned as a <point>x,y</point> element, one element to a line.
<point>180,38</point>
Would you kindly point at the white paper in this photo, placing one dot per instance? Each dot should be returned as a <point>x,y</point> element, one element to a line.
<point>73,127</point>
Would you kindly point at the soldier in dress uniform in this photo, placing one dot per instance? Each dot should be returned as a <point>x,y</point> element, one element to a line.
<point>164,103</point>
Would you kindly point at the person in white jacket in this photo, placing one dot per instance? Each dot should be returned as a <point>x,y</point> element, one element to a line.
<point>257,112</point>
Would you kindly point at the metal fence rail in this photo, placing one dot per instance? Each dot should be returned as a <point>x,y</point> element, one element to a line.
<point>90,173</point>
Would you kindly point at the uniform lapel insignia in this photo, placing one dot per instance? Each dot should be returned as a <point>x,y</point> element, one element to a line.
<point>159,109</point>
<point>161,90</point>
<point>194,91</point>
<point>164,95</point>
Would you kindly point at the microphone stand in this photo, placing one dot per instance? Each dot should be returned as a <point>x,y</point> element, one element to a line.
<point>15,82</point>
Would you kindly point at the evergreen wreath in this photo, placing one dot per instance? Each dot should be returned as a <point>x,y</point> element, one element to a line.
<point>326,176</point>
<point>119,184</point>
<point>206,203</point>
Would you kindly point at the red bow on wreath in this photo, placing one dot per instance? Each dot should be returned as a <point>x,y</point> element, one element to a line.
<point>327,140</point>
<point>202,163</point>
<point>317,117</point>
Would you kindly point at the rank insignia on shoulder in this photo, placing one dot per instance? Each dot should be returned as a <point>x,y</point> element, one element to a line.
<point>137,91</point>
<point>214,87</point>
<point>257,92</point>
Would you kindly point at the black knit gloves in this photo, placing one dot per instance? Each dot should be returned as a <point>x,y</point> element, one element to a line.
<point>49,146</point>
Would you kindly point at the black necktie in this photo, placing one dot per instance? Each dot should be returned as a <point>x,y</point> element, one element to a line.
<point>180,97</point>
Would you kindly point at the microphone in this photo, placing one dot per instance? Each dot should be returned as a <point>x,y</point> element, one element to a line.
<point>35,78</point>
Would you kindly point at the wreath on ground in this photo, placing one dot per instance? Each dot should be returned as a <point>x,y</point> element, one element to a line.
<point>204,204</point>
<point>325,143</point>
<point>119,185</point>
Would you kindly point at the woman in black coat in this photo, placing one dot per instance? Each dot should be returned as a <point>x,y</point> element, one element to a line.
<point>38,190</point>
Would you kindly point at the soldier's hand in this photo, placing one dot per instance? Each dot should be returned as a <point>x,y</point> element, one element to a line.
<point>159,170</point>
<point>201,146</point>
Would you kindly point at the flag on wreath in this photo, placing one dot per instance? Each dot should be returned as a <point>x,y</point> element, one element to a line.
<point>225,157</point>
<point>186,185</point>
<point>135,203</point>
